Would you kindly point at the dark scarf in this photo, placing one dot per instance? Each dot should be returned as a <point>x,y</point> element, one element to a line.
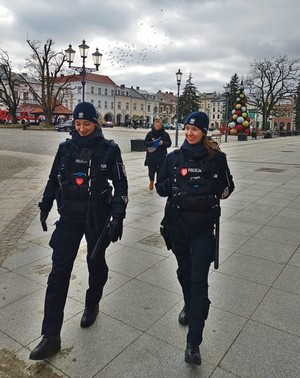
<point>193,151</point>
<point>89,141</point>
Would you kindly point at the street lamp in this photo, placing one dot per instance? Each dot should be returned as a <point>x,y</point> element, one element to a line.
<point>227,95</point>
<point>178,78</point>
<point>83,70</point>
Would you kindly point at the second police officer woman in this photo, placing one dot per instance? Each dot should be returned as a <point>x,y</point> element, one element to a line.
<point>79,182</point>
<point>194,178</point>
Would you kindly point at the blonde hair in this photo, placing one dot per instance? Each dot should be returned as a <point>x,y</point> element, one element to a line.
<point>158,120</point>
<point>211,145</point>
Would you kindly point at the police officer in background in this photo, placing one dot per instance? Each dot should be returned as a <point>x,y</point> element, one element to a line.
<point>194,178</point>
<point>79,182</point>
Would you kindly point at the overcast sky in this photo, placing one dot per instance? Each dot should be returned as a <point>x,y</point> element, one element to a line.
<point>144,42</point>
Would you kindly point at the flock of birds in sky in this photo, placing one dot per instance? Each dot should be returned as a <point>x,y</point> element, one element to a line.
<point>120,54</point>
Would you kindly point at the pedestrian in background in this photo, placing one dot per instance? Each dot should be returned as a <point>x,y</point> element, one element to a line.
<point>79,182</point>
<point>194,178</point>
<point>157,141</point>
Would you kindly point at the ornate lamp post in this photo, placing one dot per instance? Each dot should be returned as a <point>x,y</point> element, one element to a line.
<point>83,70</point>
<point>227,95</point>
<point>178,79</point>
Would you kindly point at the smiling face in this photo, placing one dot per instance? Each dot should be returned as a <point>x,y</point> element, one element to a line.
<point>193,135</point>
<point>84,127</point>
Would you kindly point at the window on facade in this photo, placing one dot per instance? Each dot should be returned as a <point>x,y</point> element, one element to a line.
<point>112,105</point>
<point>99,91</point>
<point>92,90</point>
<point>78,101</point>
<point>134,106</point>
<point>213,116</point>
<point>112,92</point>
<point>142,107</point>
<point>119,105</point>
<point>92,102</point>
<point>105,104</point>
<point>149,108</point>
<point>127,105</point>
<point>218,116</point>
<point>214,109</point>
<point>99,104</point>
<point>105,91</point>
<point>78,89</point>
<point>25,96</point>
<point>161,109</point>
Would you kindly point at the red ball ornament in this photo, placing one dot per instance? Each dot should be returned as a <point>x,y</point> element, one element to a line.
<point>248,119</point>
<point>244,101</point>
<point>239,127</point>
<point>247,131</point>
<point>238,112</point>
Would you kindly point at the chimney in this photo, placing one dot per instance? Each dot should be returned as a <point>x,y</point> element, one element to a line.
<point>167,92</point>
<point>122,86</point>
<point>171,93</point>
<point>137,88</point>
<point>132,87</point>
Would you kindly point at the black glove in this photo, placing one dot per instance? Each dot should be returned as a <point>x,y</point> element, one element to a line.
<point>115,229</point>
<point>43,217</point>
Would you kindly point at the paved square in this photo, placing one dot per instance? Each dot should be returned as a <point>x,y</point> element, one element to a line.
<point>253,326</point>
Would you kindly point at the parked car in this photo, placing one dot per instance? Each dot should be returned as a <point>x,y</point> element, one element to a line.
<point>168,126</point>
<point>65,126</point>
<point>107,124</point>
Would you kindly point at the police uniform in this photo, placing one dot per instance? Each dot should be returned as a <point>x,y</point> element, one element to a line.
<point>193,181</point>
<point>80,182</point>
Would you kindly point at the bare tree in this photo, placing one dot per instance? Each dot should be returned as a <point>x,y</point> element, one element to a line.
<point>9,86</point>
<point>270,81</point>
<point>45,64</point>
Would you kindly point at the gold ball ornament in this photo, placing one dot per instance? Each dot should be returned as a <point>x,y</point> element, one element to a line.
<point>245,123</point>
<point>233,132</point>
<point>234,116</point>
<point>242,95</point>
<point>245,115</point>
<point>238,106</point>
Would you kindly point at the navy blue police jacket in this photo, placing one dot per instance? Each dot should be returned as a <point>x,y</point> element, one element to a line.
<point>113,170</point>
<point>196,181</point>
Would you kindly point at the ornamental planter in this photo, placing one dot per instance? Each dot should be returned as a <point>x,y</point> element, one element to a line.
<point>267,135</point>
<point>137,145</point>
<point>242,137</point>
<point>282,133</point>
<point>289,133</point>
<point>296,132</point>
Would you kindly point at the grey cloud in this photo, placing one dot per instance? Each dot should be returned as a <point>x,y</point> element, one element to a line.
<point>211,38</point>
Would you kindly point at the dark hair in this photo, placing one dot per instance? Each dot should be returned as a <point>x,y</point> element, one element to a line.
<point>211,145</point>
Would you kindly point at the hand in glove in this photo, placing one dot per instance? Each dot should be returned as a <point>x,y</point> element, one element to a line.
<point>115,229</point>
<point>43,217</point>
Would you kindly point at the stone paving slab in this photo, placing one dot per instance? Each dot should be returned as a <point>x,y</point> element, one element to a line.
<point>253,327</point>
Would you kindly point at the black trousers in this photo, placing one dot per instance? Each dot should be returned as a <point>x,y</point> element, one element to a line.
<point>65,242</point>
<point>152,170</point>
<point>194,255</point>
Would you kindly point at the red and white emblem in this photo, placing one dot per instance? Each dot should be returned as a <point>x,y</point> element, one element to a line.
<point>184,171</point>
<point>79,181</point>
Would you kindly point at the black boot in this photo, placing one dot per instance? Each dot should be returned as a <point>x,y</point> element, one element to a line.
<point>46,348</point>
<point>184,316</point>
<point>89,316</point>
<point>192,354</point>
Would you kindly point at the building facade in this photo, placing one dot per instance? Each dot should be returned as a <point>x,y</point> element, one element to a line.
<point>167,106</point>
<point>99,90</point>
<point>214,105</point>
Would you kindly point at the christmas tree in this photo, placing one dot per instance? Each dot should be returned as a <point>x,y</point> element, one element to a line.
<point>239,119</point>
<point>189,100</point>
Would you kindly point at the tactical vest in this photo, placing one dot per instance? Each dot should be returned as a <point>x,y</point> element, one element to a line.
<point>195,204</point>
<point>83,178</point>
<point>197,182</point>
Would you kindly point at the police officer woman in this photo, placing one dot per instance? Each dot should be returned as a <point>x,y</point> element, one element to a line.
<point>194,178</point>
<point>157,141</point>
<point>79,182</point>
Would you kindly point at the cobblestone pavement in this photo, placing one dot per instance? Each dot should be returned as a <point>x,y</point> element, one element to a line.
<point>253,326</point>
